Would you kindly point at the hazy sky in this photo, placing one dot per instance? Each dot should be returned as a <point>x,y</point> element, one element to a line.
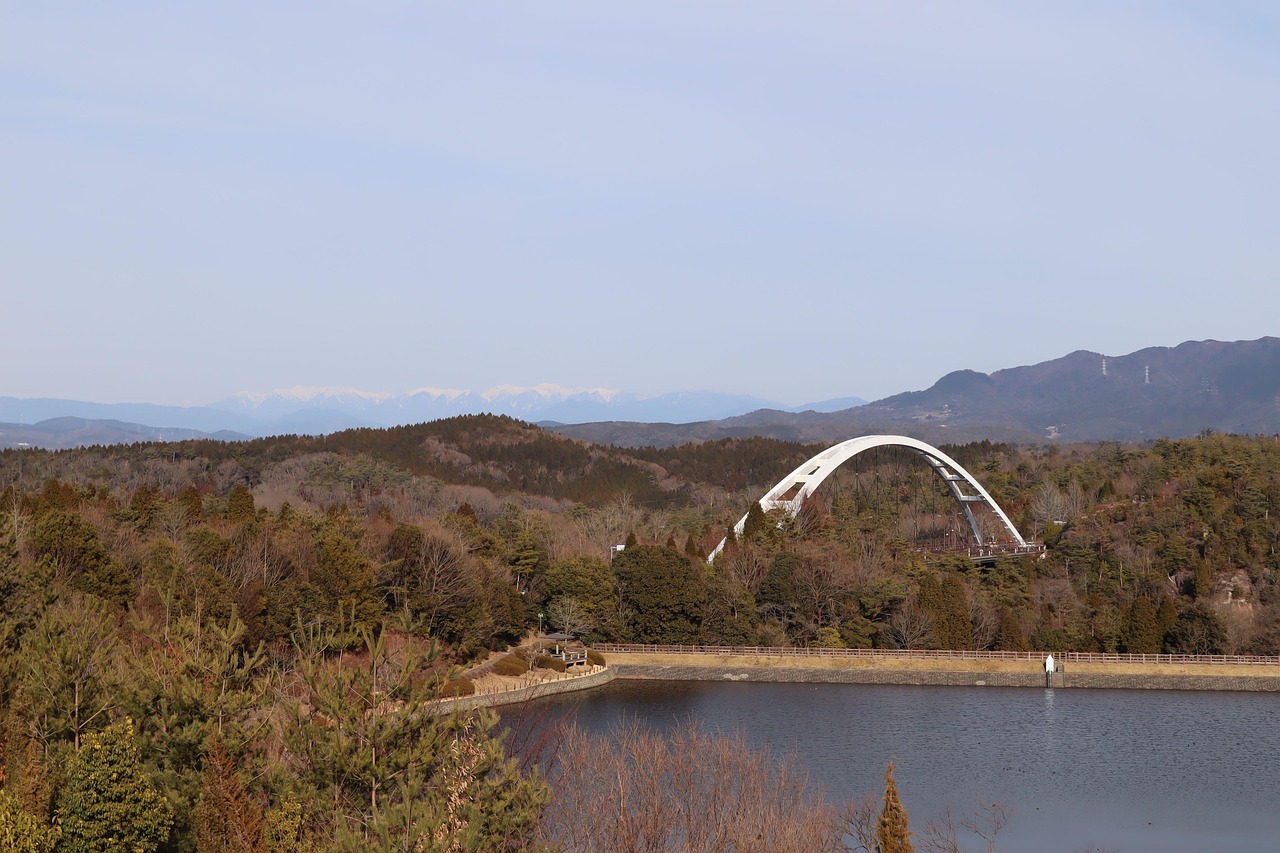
<point>795,200</point>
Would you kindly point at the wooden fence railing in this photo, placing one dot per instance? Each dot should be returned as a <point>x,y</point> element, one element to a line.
<point>943,654</point>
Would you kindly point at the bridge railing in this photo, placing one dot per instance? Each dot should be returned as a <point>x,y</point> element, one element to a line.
<point>979,551</point>
<point>934,654</point>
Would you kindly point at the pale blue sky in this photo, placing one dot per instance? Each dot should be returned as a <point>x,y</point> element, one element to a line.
<point>795,200</point>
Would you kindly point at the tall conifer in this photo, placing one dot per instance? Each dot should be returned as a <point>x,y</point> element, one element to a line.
<point>892,832</point>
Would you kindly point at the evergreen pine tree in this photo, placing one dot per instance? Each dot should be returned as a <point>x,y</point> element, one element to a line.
<point>1203,581</point>
<point>929,599</point>
<point>227,818</point>
<point>368,743</point>
<point>951,626</point>
<point>1009,634</point>
<point>756,525</point>
<point>1166,618</point>
<point>240,505</point>
<point>1140,635</point>
<point>190,500</point>
<point>664,593</point>
<point>892,832</point>
<point>690,546</point>
<point>631,539</point>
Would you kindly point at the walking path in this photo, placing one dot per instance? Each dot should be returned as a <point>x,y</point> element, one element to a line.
<point>494,690</point>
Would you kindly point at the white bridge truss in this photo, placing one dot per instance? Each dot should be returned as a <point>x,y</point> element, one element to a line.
<point>791,491</point>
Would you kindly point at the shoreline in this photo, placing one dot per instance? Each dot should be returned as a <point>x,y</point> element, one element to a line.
<point>551,687</point>
<point>925,671</point>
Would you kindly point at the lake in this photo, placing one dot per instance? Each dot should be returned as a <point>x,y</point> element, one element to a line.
<point>1116,769</point>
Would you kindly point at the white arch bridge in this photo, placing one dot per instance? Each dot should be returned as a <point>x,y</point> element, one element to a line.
<point>792,490</point>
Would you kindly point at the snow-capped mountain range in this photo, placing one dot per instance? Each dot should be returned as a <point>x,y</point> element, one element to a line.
<point>310,409</point>
<point>313,410</point>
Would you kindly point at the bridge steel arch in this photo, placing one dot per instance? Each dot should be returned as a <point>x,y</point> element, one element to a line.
<point>805,480</point>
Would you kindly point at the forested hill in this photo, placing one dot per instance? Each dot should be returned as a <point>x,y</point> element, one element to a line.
<point>498,455</point>
<point>211,625</point>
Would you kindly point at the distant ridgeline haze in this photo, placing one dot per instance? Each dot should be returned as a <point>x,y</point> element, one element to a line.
<point>1085,396</point>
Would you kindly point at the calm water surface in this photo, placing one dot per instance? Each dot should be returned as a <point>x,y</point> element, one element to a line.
<point>1121,770</point>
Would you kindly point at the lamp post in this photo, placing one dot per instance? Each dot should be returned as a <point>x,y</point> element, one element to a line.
<point>540,623</point>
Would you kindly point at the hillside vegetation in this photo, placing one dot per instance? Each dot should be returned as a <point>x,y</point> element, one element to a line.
<point>261,623</point>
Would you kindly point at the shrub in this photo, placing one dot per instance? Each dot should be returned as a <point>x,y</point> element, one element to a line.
<point>511,665</point>
<point>595,658</point>
<point>459,686</point>
<point>21,831</point>
<point>548,662</point>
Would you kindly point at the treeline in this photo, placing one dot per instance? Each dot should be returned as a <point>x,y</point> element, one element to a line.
<point>245,635</point>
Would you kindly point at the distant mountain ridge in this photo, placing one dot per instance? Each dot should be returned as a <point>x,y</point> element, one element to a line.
<point>68,432</point>
<point>315,410</point>
<point>1084,396</point>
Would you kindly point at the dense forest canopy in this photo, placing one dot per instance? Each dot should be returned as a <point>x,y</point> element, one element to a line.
<point>205,617</point>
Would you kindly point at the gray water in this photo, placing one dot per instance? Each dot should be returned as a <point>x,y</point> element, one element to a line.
<point>1113,769</point>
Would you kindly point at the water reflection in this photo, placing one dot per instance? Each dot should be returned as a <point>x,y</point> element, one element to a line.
<point>1128,770</point>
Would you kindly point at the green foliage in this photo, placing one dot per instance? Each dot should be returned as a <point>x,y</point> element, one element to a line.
<point>67,684</point>
<point>109,805</point>
<point>21,831</point>
<point>952,627</point>
<point>341,592</point>
<point>25,592</point>
<point>123,579</point>
<point>1166,617</point>
<point>777,589</point>
<point>589,580</point>
<point>71,544</point>
<point>828,637</point>
<point>595,658</point>
<point>756,527</point>
<point>195,684</point>
<point>664,593</point>
<point>1009,634</point>
<point>1198,631</point>
<point>1140,634</point>
<point>386,767</point>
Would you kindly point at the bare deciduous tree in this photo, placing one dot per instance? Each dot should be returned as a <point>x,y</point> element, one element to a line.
<point>689,790</point>
<point>1049,504</point>
<point>568,614</point>
<point>983,621</point>
<point>745,567</point>
<point>986,821</point>
<point>910,627</point>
